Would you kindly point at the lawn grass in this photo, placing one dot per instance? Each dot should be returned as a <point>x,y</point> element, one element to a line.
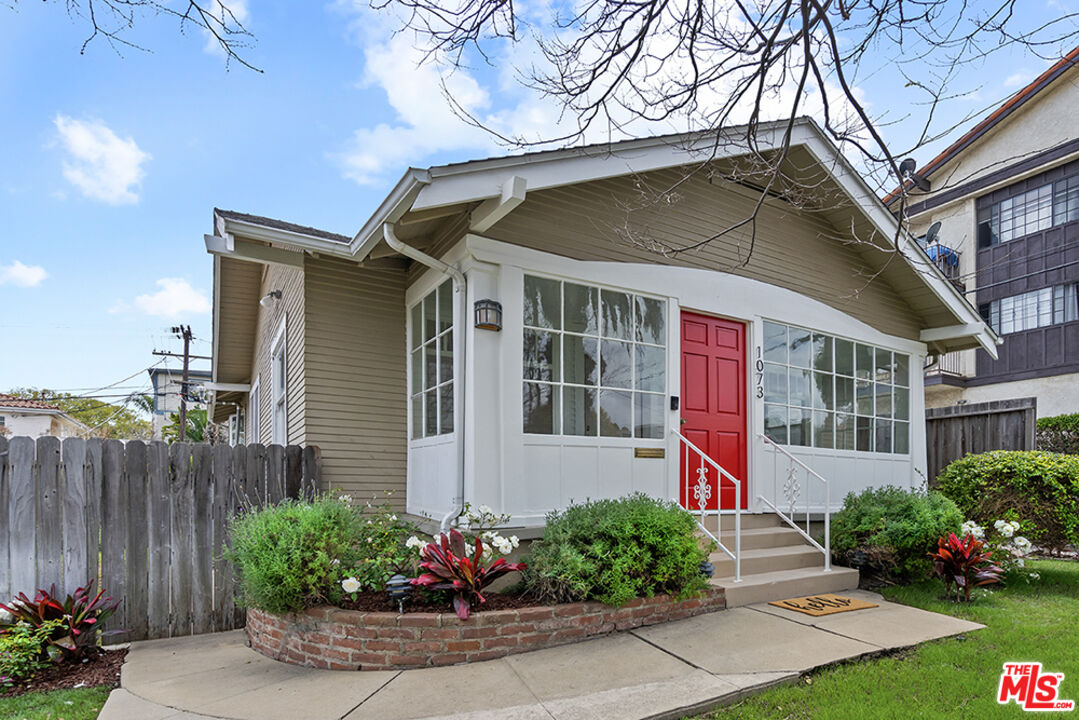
<point>950,678</point>
<point>81,704</point>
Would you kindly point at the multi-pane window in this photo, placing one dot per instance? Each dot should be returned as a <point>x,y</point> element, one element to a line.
<point>1034,309</point>
<point>594,361</point>
<point>828,392</point>
<point>1033,211</point>
<point>253,412</point>
<point>278,391</point>
<point>431,357</point>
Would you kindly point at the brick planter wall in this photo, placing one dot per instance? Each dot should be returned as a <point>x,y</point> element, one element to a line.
<point>335,639</point>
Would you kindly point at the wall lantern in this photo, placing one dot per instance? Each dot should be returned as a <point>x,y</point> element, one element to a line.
<point>270,298</point>
<point>489,315</point>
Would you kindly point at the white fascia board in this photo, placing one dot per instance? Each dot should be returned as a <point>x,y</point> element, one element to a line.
<point>239,249</point>
<point>951,332</point>
<point>481,180</point>
<point>873,208</point>
<point>28,411</point>
<point>277,236</point>
<point>225,387</point>
<point>400,200</point>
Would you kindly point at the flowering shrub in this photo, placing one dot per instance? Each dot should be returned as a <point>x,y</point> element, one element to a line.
<point>964,563</point>
<point>381,550</point>
<point>1009,550</point>
<point>1039,489</point>
<point>72,621</point>
<point>449,567</point>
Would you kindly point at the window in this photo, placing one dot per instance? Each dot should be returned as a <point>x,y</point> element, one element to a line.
<point>279,382</point>
<point>1033,211</point>
<point>253,413</point>
<point>594,361</point>
<point>1034,309</point>
<point>828,392</point>
<point>431,353</point>
<point>236,426</point>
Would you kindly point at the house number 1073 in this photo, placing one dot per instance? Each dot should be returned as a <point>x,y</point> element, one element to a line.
<point>759,373</point>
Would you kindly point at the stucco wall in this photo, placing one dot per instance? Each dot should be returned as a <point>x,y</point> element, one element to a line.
<point>1056,395</point>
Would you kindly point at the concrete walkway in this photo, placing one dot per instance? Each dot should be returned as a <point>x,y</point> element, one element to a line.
<point>664,671</point>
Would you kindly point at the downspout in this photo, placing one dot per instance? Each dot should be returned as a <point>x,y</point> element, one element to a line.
<point>459,286</point>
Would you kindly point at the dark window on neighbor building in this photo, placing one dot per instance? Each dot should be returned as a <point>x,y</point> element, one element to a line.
<point>1017,216</point>
<point>1034,309</point>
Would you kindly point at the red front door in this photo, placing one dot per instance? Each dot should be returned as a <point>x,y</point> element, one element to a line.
<point>714,404</point>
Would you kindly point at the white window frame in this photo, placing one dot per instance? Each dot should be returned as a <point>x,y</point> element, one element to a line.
<point>279,387</point>
<point>254,401</point>
<point>420,433</point>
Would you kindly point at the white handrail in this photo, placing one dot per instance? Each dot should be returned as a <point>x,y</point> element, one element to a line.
<point>703,492</point>
<point>827,548</point>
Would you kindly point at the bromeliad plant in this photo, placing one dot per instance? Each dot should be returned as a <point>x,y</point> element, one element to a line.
<point>965,563</point>
<point>449,567</point>
<point>72,620</point>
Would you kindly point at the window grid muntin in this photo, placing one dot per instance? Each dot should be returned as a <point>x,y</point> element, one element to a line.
<point>1034,309</point>
<point>559,388</point>
<point>431,404</point>
<point>1038,209</point>
<point>862,373</point>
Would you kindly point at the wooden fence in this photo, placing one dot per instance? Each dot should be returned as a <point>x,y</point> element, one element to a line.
<point>146,521</point>
<point>952,432</point>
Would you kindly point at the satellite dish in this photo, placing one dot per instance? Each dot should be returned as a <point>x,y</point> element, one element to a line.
<point>931,233</point>
<point>907,167</point>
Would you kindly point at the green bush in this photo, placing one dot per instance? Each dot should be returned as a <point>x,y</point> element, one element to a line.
<point>290,555</point>
<point>895,528</point>
<point>22,650</point>
<point>616,550</point>
<point>1038,489</point>
<point>1059,434</point>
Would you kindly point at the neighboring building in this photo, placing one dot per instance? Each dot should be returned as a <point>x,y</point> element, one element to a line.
<point>167,386</point>
<point>1006,195</point>
<point>35,418</point>
<point>605,350</point>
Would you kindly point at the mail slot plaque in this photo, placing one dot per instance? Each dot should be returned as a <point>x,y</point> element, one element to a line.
<point>649,452</point>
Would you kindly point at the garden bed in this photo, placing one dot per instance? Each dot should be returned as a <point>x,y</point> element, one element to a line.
<point>337,639</point>
<point>99,667</point>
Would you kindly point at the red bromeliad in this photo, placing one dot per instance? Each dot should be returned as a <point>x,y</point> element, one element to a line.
<point>449,568</point>
<point>964,562</point>
<point>79,615</point>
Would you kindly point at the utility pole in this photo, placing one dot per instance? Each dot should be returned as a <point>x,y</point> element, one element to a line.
<point>184,332</point>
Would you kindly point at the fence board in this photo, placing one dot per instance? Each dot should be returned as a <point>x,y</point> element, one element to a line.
<point>256,474</point>
<point>293,471</point>
<point>5,523</point>
<point>312,471</point>
<point>137,574</point>
<point>114,517</point>
<point>223,574</point>
<point>21,453</point>
<point>182,558</point>
<point>73,501</point>
<point>50,536</point>
<point>202,529</point>
<point>92,478</point>
<point>275,474</point>
<point>952,432</point>
<point>159,527</point>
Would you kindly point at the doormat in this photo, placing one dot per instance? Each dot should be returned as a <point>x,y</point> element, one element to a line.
<point>826,604</point>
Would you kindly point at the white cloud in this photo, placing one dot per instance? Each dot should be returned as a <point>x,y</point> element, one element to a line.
<point>101,165</point>
<point>22,275</point>
<point>1017,79</point>
<point>174,299</point>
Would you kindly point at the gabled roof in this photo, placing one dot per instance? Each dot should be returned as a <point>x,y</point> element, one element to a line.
<point>487,189</point>
<point>1006,109</point>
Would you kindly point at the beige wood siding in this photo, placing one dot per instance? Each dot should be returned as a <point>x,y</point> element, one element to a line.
<point>290,281</point>
<point>793,249</point>
<point>355,364</point>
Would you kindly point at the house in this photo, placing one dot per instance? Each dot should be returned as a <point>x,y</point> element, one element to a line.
<point>502,332</point>
<point>35,418</point>
<point>1003,202</point>
<point>168,385</point>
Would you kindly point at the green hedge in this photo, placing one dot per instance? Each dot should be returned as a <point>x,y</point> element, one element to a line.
<point>1039,489</point>
<point>616,550</point>
<point>1059,434</point>
<point>1060,423</point>
<point>895,528</point>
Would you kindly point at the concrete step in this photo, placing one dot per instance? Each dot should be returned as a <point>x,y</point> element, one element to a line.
<point>768,559</point>
<point>750,521</point>
<point>782,584</point>
<point>764,537</point>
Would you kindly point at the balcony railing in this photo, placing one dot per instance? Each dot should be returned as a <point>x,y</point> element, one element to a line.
<point>950,364</point>
<point>947,260</point>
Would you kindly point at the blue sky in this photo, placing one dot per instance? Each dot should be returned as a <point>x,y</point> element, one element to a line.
<point>113,162</point>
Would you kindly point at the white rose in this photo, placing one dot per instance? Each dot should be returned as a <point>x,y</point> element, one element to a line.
<point>350,585</point>
<point>515,541</point>
<point>345,498</point>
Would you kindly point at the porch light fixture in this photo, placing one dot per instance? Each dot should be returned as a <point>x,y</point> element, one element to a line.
<point>270,298</point>
<point>489,315</point>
